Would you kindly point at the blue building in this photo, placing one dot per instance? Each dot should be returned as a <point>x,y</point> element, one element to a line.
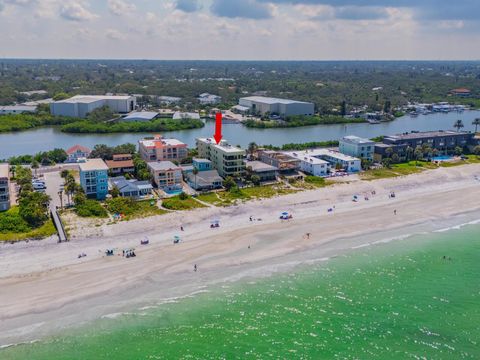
<point>202,164</point>
<point>94,178</point>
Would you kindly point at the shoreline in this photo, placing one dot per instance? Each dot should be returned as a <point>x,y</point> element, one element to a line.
<point>45,281</point>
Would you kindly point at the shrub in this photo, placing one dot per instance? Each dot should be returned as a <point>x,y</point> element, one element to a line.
<point>90,208</point>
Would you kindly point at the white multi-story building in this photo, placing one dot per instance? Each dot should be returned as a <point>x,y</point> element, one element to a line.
<point>225,158</point>
<point>81,105</point>
<point>17,109</point>
<point>282,107</point>
<point>357,147</point>
<point>319,162</point>
<point>311,164</point>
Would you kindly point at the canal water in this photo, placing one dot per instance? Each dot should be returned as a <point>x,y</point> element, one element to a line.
<point>42,139</point>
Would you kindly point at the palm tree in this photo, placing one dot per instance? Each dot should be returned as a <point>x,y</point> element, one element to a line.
<point>35,166</point>
<point>476,122</point>
<point>195,172</point>
<point>13,170</point>
<point>409,152</point>
<point>458,125</point>
<point>252,148</point>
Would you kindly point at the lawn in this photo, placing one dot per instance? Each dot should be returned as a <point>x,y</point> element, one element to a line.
<point>226,198</point>
<point>403,169</point>
<point>132,209</point>
<point>176,203</point>
<point>14,228</point>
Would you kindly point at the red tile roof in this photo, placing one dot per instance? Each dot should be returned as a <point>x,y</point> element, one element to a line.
<point>76,148</point>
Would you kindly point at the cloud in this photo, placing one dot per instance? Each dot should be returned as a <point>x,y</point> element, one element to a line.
<point>120,7</point>
<point>187,5</point>
<point>76,11</point>
<point>424,9</point>
<point>248,9</point>
<point>113,34</point>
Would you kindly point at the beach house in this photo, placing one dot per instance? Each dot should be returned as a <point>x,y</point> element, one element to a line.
<point>286,165</point>
<point>266,173</point>
<point>225,158</point>
<point>161,149</point>
<point>319,162</point>
<point>166,175</point>
<point>77,153</point>
<point>121,164</point>
<point>130,188</point>
<point>4,187</point>
<point>94,178</point>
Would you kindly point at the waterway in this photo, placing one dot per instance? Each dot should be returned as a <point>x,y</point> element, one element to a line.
<point>42,139</point>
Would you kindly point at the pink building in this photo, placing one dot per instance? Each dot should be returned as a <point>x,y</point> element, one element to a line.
<point>161,149</point>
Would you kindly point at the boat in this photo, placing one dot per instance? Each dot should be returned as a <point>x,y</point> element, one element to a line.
<point>372,121</point>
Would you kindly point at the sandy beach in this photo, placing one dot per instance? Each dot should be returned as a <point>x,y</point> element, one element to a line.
<point>44,287</point>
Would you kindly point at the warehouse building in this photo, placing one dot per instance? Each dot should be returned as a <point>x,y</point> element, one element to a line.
<point>283,107</point>
<point>81,105</point>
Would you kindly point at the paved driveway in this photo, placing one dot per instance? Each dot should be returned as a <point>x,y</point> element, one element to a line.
<point>54,181</point>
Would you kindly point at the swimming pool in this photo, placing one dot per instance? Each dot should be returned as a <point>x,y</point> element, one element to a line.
<point>174,192</point>
<point>442,158</point>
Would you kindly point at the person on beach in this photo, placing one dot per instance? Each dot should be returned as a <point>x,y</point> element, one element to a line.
<point>181,228</point>
<point>395,212</point>
<point>195,267</point>
<point>251,218</point>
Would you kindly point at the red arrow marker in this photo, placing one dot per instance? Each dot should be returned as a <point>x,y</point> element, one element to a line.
<point>218,127</point>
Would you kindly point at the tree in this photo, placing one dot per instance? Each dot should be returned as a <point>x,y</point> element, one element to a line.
<point>35,166</point>
<point>102,151</point>
<point>255,180</point>
<point>387,107</point>
<point>64,173</point>
<point>458,125</point>
<point>115,192</point>
<point>458,150</point>
<point>33,208</point>
<point>70,186</point>
<point>387,162</point>
<point>409,153</point>
<point>195,172</point>
<point>389,152</point>
<point>60,96</point>
<point>418,154</point>
<point>183,196</point>
<point>229,183</point>
<point>343,108</point>
<point>252,148</point>
<point>395,158</point>
<point>365,163</point>
<point>13,169</point>
<point>476,150</point>
<point>476,122</point>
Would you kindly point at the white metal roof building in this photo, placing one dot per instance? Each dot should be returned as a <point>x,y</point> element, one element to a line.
<point>140,116</point>
<point>81,105</point>
<point>282,107</point>
<point>17,109</point>
<point>186,115</point>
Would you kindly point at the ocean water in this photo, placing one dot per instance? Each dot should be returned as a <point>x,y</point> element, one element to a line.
<point>399,300</point>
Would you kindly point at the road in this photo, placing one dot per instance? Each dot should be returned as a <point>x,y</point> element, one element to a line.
<point>53,181</point>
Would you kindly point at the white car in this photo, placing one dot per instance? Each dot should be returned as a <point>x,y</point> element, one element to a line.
<point>39,186</point>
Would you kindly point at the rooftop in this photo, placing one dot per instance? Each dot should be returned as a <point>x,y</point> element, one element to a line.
<point>318,153</point>
<point>142,115</point>
<point>76,148</point>
<point>357,140</point>
<point>200,160</point>
<point>205,177</point>
<point>18,108</point>
<point>117,164</point>
<point>258,166</point>
<point>271,100</point>
<point>419,135</point>
<point>93,165</point>
<point>4,171</point>
<point>223,145</point>
<point>163,165</point>
<point>159,142</point>
<point>93,98</point>
<point>123,184</point>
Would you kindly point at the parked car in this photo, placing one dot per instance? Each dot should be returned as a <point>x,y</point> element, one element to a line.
<point>39,186</point>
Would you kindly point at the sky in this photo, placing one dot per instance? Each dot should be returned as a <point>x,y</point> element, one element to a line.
<point>241,29</point>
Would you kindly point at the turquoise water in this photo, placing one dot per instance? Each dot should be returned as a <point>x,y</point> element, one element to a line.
<point>401,300</point>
